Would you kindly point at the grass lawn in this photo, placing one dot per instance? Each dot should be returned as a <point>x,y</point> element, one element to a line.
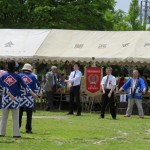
<point>58,131</point>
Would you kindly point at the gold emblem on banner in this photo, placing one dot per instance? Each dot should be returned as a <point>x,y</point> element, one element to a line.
<point>93,78</point>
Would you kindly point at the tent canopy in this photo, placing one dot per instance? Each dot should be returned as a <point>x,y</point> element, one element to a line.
<point>20,44</point>
<point>116,47</point>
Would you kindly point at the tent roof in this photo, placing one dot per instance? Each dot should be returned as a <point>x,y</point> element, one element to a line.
<point>20,44</point>
<point>115,47</point>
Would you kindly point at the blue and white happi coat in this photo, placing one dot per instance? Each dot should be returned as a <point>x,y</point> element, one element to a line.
<point>8,103</point>
<point>139,87</point>
<point>13,83</point>
<point>27,99</point>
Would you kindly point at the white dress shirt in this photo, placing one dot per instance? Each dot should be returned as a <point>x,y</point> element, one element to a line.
<point>111,81</point>
<point>75,78</point>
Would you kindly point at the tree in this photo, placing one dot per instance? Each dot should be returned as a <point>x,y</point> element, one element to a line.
<point>63,14</point>
<point>13,14</point>
<point>133,15</point>
<point>120,21</point>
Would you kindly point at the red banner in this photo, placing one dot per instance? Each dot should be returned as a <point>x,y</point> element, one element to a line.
<point>93,79</point>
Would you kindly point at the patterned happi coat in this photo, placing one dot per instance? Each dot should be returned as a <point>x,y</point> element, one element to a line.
<point>140,85</point>
<point>13,83</point>
<point>27,99</point>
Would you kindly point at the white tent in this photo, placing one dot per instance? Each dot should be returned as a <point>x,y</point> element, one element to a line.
<point>20,44</point>
<point>116,47</point>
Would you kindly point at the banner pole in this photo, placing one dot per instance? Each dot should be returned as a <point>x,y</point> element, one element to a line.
<point>93,98</point>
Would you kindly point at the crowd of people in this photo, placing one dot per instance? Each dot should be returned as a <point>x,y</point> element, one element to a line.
<point>20,90</point>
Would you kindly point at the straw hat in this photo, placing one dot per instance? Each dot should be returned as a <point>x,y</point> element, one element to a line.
<point>27,67</point>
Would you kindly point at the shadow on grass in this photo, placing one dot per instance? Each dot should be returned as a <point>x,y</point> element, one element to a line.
<point>137,117</point>
<point>109,119</point>
<point>7,142</point>
<point>27,138</point>
<point>10,139</point>
<point>144,118</point>
<point>34,133</point>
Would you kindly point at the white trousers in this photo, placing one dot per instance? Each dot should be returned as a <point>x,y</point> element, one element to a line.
<point>15,118</point>
<point>130,107</point>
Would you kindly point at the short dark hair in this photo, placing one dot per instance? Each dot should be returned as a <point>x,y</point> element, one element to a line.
<point>109,68</point>
<point>11,66</point>
<point>78,64</point>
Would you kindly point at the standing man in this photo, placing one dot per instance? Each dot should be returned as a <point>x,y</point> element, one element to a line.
<point>50,87</point>
<point>108,84</point>
<point>27,100</point>
<point>74,81</point>
<point>135,86</point>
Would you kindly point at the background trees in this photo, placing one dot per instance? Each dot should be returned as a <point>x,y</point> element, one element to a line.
<point>68,14</point>
<point>133,15</point>
<point>62,14</point>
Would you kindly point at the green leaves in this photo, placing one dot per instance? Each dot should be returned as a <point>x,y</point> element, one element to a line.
<point>66,14</point>
<point>133,15</point>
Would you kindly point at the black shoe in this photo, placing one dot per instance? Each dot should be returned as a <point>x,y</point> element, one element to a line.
<point>47,109</point>
<point>29,131</point>
<point>78,114</point>
<point>16,136</point>
<point>69,113</point>
<point>101,117</point>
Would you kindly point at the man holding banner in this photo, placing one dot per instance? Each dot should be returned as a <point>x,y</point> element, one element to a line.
<point>108,84</point>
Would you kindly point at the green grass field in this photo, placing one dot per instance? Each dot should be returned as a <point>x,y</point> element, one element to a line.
<point>58,131</point>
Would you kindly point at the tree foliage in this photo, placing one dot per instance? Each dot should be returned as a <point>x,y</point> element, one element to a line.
<point>63,14</point>
<point>120,21</point>
<point>129,21</point>
<point>133,15</point>
<point>68,14</point>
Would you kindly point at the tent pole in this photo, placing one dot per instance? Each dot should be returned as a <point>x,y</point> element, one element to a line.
<point>93,62</point>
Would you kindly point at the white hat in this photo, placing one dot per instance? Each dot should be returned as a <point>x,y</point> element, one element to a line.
<point>27,67</point>
<point>53,67</point>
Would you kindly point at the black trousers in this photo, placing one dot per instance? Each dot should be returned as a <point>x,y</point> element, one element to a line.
<point>75,93</point>
<point>50,99</point>
<point>29,117</point>
<point>111,101</point>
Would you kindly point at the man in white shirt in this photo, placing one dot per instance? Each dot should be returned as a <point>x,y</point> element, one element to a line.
<point>108,84</point>
<point>74,80</point>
